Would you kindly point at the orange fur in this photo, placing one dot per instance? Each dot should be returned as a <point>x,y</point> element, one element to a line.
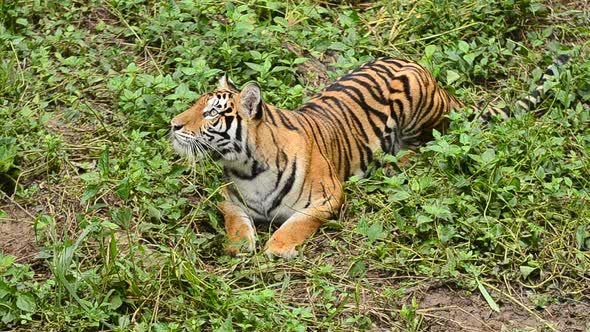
<point>287,167</point>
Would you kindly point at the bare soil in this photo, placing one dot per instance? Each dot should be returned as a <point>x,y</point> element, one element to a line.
<point>17,236</point>
<point>446,309</point>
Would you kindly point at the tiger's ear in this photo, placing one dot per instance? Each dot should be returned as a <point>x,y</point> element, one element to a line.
<point>226,83</point>
<point>251,100</point>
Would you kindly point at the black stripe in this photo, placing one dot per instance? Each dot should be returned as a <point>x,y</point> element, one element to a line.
<point>238,128</point>
<point>313,127</point>
<point>360,100</point>
<point>286,122</point>
<point>223,134</point>
<point>236,194</point>
<point>562,59</point>
<point>332,118</point>
<point>372,89</point>
<point>348,112</point>
<point>507,110</point>
<point>308,198</point>
<point>528,103</point>
<point>258,114</point>
<point>286,187</point>
<point>397,62</point>
<point>255,170</point>
<point>269,114</point>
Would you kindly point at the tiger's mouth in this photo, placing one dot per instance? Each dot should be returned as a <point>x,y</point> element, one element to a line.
<point>187,145</point>
<point>193,147</point>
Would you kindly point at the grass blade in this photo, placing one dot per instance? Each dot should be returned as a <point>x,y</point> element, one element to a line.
<point>493,305</point>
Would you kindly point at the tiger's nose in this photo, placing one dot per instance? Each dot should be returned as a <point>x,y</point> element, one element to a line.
<point>176,126</point>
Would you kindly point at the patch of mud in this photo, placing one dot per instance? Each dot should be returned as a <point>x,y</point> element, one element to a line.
<point>570,316</point>
<point>17,236</point>
<point>446,309</point>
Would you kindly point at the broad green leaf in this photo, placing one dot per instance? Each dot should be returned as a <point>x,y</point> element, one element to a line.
<point>123,189</point>
<point>488,155</point>
<point>90,177</point>
<point>257,55</point>
<point>463,46</point>
<point>446,233</point>
<point>188,70</point>
<point>540,172</point>
<point>469,58</point>
<point>358,269</point>
<point>399,196</point>
<point>26,302</point>
<point>103,163</point>
<point>6,261</point>
<point>299,61</point>
<point>110,225</point>
<point>375,231</point>
<point>122,216</point>
<point>580,236</point>
<point>115,301</point>
<point>526,271</point>
<point>452,76</point>
<point>338,46</point>
<point>429,51</point>
<point>90,192</point>
<point>4,289</point>
<point>438,211</point>
<point>256,67</point>
<point>422,219</point>
<point>227,326</point>
<point>154,213</point>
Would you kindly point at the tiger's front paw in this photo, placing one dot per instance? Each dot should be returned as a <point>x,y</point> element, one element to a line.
<point>242,244</point>
<point>277,247</point>
<point>241,235</point>
<point>235,247</point>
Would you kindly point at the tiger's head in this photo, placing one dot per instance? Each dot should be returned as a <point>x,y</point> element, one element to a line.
<point>218,122</point>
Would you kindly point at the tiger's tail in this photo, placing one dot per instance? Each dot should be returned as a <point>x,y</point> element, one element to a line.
<point>531,101</point>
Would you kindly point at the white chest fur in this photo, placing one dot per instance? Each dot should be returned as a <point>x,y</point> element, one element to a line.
<point>264,192</point>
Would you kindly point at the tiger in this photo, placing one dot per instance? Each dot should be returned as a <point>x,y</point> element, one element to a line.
<point>287,168</point>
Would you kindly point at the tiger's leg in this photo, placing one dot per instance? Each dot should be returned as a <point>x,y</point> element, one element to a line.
<point>303,224</point>
<point>238,227</point>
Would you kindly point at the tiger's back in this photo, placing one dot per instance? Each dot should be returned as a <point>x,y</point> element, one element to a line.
<point>386,104</point>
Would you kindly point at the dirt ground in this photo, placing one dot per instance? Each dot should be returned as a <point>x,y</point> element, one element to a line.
<point>17,235</point>
<point>446,309</point>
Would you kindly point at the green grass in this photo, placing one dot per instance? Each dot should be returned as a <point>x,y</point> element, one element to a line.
<point>127,235</point>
